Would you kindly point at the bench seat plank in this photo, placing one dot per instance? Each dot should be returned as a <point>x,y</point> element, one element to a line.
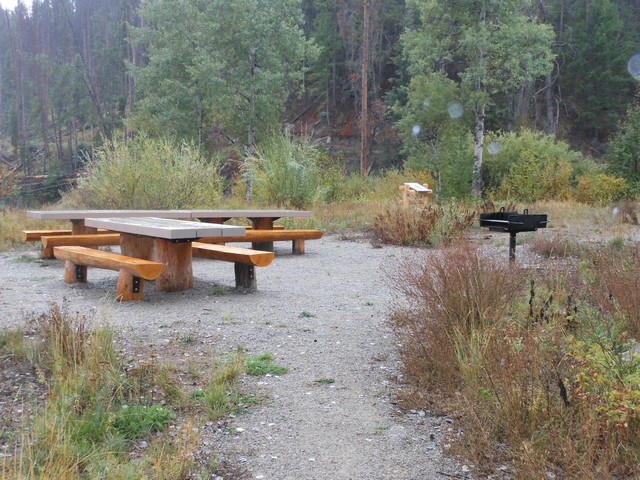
<point>244,259</point>
<point>85,240</point>
<point>131,271</point>
<point>112,261</point>
<point>36,235</point>
<point>260,236</point>
<point>226,253</point>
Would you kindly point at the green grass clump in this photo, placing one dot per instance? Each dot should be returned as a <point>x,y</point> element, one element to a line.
<point>263,365</point>
<point>138,421</point>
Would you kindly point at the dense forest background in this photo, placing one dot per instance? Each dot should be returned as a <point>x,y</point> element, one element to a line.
<point>223,74</point>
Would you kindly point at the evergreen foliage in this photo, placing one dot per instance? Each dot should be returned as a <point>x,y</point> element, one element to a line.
<point>222,74</point>
<point>624,159</point>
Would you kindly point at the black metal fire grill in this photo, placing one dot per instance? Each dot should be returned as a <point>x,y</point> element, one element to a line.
<point>513,222</point>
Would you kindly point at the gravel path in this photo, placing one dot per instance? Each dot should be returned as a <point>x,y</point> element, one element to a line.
<point>322,315</point>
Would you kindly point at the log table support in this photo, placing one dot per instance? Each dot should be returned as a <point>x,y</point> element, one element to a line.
<point>79,228</point>
<point>177,274</point>
<point>136,246</point>
<point>262,223</point>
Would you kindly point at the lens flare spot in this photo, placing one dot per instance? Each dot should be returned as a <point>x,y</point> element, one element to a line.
<point>455,110</point>
<point>493,148</point>
<point>634,66</point>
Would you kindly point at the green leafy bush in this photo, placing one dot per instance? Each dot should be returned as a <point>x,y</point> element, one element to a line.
<point>624,159</point>
<point>292,172</point>
<point>534,178</point>
<point>531,166</point>
<point>599,188</point>
<point>149,173</point>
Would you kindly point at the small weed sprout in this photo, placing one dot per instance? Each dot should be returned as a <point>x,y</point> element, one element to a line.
<point>263,365</point>
<point>325,381</point>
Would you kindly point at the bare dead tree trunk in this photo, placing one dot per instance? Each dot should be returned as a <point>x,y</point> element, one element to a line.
<point>478,147</point>
<point>365,90</point>
<point>86,75</point>
<point>16,55</point>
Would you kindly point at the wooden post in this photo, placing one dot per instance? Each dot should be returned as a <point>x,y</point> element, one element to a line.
<point>177,274</point>
<point>245,276</point>
<point>136,246</point>
<point>79,228</point>
<point>129,287</point>
<point>365,90</point>
<point>74,273</point>
<point>263,223</point>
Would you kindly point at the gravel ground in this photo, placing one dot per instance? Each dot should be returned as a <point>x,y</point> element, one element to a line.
<point>322,315</point>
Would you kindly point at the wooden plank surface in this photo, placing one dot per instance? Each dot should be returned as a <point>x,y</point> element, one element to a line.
<point>268,236</point>
<point>82,214</point>
<point>274,214</point>
<point>245,256</point>
<point>89,240</point>
<point>165,228</point>
<point>36,235</point>
<point>112,261</point>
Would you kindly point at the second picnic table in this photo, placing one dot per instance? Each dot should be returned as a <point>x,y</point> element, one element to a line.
<point>164,240</point>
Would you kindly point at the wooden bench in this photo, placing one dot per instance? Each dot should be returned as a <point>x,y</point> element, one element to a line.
<point>257,237</point>
<point>36,235</point>
<point>131,271</point>
<point>87,240</point>
<point>245,260</point>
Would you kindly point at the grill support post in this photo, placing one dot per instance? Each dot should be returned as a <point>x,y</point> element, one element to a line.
<point>512,246</point>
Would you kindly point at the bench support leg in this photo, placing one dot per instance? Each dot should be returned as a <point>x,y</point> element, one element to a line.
<point>245,276</point>
<point>298,247</point>
<point>129,287</point>
<point>74,273</point>
<point>264,246</point>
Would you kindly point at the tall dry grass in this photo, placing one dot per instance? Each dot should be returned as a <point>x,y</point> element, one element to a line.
<point>537,371</point>
<point>615,283</point>
<point>446,295</point>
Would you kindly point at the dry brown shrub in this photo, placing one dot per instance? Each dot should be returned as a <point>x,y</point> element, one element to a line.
<point>553,247</point>
<point>422,226</point>
<point>490,206</point>
<point>615,285</point>
<point>442,295</point>
<point>628,212</point>
<point>65,338</point>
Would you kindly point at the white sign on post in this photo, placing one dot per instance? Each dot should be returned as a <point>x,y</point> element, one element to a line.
<point>417,187</point>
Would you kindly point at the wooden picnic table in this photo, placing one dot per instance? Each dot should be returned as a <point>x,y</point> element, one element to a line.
<point>260,219</point>
<point>163,240</point>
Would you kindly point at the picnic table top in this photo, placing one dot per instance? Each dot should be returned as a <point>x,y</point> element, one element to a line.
<point>82,214</point>
<point>249,213</point>
<point>167,228</point>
